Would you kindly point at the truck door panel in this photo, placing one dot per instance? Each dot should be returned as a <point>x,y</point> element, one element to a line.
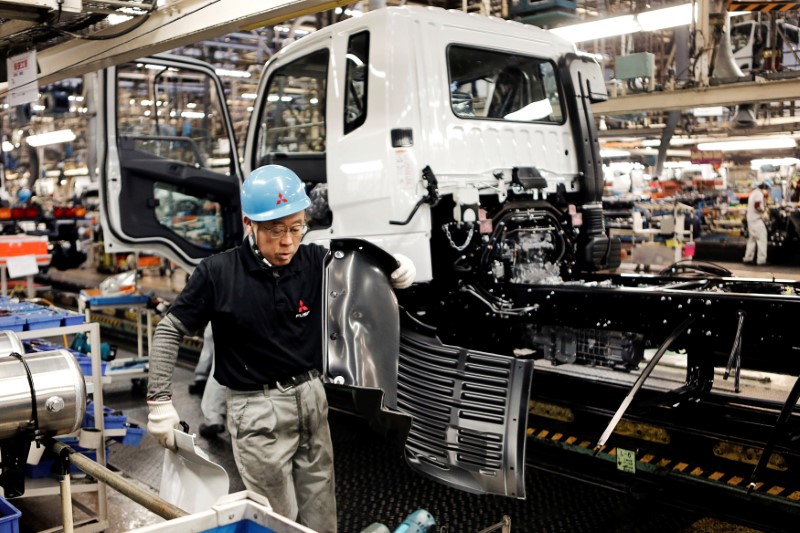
<point>171,177</point>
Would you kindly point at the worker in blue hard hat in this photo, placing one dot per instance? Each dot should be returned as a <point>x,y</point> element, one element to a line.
<point>24,195</point>
<point>757,237</point>
<point>264,301</point>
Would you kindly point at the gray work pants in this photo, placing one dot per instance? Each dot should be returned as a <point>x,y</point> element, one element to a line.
<point>283,450</point>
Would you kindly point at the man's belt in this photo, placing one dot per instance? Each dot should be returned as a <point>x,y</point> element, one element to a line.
<point>285,384</point>
<point>281,384</point>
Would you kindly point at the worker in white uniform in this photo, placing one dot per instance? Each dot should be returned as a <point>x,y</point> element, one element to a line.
<point>756,227</point>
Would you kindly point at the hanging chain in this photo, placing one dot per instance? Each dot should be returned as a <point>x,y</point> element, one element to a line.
<point>446,228</point>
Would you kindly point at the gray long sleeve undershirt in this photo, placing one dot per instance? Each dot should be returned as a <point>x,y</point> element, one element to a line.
<point>163,355</point>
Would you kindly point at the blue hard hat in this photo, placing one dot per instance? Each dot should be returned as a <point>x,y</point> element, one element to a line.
<point>766,183</point>
<point>24,194</point>
<point>272,192</point>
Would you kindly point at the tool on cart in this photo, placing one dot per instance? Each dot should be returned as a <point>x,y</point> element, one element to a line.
<point>80,343</point>
<point>189,479</point>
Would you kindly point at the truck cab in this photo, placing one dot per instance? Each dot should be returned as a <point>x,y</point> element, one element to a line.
<point>480,162</point>
<point>397,144</point>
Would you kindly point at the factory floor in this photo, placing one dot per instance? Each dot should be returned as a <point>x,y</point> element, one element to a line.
<point>373,482</point>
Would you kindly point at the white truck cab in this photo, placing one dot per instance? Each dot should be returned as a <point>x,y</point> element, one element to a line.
<point>386,116</point>
<point>464,142</point>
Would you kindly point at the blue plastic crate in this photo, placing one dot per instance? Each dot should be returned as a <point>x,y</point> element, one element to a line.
<point>42,469</point>
<point>111,421</point>
<point>19,307</point>
<point>133,436</point>
<point>86,365</point>
<point>9,517</point>
<point>14,323</point>
<point>242,526</point>
<point>40,345</point>
<point>48,464</point>
<point>71,318</point>
<point>42,319</point>
<point>94,299</point>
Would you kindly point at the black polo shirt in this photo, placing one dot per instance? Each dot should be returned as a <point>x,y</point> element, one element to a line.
<point>267,324</point>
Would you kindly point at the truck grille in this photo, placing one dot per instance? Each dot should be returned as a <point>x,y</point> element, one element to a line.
<point>469,414</point>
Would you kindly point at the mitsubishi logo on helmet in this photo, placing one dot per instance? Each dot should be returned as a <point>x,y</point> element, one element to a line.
<point>302,310</point>
<point>281,199</point>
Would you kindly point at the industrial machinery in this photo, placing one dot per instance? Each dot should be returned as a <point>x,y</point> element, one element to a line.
<point>43,394</point>
<point>481,163</point>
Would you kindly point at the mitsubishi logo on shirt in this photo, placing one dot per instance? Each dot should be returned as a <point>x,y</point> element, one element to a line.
<point>281,199</point>
<point>302,310</point>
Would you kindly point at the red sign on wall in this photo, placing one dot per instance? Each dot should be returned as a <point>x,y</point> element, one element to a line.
<point>711,157</point>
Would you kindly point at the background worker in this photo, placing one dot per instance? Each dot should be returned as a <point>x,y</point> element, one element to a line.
<point>756,227</point>
<point>264,300</point>
<point>213,402</point>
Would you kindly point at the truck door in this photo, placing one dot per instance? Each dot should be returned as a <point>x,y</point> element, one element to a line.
<point>167,159</point>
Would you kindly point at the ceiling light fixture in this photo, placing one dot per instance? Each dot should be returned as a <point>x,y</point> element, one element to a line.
<point>232,73</point>
<point>661,19</point>
<point>51,137</point>
<point>610,152</point>
<point>656,19</point>
<point>768,143</point>
<point>598,29</point>
<point>756,164</point>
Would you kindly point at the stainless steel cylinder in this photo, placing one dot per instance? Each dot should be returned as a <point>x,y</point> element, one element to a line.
<point>60,393</point>
<point>10,343</point>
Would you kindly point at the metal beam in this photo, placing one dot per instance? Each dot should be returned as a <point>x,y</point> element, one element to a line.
<point>724,95</point>
<point>180,24</point>
<point>10,27</point>
<point>722,129</point>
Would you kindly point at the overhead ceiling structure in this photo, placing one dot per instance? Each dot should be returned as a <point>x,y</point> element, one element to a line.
<point>684,72</point>
<point>662,57</point>
<point>106,33</point>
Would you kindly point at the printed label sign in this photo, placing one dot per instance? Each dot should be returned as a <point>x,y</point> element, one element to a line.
<point>23,87</point>
<point>626,460</point>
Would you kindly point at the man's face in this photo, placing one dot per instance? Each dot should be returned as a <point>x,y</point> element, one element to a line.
<point>275,239</point>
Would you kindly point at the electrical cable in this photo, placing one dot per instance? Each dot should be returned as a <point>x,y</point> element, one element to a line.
<point>704,267</point>
<point>34,410</point>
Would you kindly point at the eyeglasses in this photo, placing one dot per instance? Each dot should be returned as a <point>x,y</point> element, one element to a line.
<point>279,231</point>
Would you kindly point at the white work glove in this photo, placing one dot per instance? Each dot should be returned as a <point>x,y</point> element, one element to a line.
<point>161,420</point>
<point>404,275</point>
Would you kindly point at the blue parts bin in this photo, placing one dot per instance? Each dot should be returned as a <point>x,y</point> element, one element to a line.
<point>111,419</point>
<point>11,322</point>
<point>9,517</point>
<point>94,297</point>
<point>24,316</point>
